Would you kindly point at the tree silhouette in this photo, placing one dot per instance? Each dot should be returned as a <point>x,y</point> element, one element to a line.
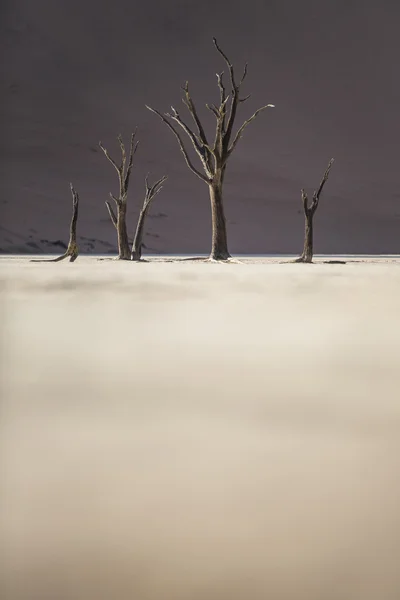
<point>213,156</point>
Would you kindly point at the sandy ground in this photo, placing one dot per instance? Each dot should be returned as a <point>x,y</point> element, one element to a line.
<point>193,431</point>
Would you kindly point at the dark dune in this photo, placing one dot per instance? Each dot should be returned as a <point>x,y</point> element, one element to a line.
<point>75,72</point>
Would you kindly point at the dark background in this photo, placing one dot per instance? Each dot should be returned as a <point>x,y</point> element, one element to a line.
<point>74,72</point>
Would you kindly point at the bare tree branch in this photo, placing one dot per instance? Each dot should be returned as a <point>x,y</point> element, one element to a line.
<point>202,138</point>
<point>213,109</point>
<point>132,152</point>
<point>227,132</point>
<point>192,109</point>
<point>116,200</point>
<point>112,214</point>
<point>153,190</point>
<point>116,167</point>
<point>304,198</point>
<point>234,96</point>
<point>221,87</point>
<point>316,195</point>
<point>181,145</point>
<point>123,152</point>
<point>200,149</point>
<point>193,137</point>
<point>223,99</point>
<point>244,75</point>
<point>123,171</point>
<point>243,127</point>
<point>228,62</point>
<point>220,131</point>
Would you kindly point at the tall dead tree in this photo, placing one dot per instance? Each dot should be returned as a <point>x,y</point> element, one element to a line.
<point>309,212</point>
<point>213,156</point>
<point>151,192</point>
<point>124,172</point>
<point>72,250</point>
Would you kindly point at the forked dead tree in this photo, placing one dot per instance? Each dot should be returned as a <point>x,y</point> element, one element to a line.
<point>213,156</point>
<point>72,249</point>
<point>124,172</point>
<point>151,192</point>
<point>309,212</point>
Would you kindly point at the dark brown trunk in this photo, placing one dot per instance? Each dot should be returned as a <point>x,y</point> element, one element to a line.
<point>123,242</point>
<point>308,249</point>
<point>72,250</point>
<point>219,250</point>
<point>137,242</point>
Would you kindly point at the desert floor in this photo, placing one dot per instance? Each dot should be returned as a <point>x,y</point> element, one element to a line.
<point>199,431</point>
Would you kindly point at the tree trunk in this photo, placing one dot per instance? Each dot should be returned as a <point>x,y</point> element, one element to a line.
<point>307,255</point>
<point>219,250</point>
<point>137,242</point>
<point>72,250</point>
<point>123,242</point>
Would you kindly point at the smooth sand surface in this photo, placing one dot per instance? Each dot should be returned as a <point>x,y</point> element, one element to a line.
<point>200,431</point>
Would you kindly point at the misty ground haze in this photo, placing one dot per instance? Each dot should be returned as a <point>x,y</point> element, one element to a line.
<point>175,431</point>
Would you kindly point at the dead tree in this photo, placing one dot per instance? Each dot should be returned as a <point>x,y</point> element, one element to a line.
<point>151,192</point>
<point>72,249</point>
<point>309,212</point>
<point>124,173</point>
<point>213,156</point>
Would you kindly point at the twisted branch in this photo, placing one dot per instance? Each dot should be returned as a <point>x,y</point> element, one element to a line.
<point>132,152</point>
<point>181,145</point>
<point>152,190</point>
<point>124,172</point>
<point>112,161</point>
<point>199,147</point>
<point>245,124</point>
<point>112,214</point>
<point>222,147</point>
<point>316,195</point>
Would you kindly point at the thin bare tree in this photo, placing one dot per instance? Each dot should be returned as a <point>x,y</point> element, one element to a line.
<point>151,192</point>
<point>213,156</point>
<point>72,249</point>
<point>124,172</point>
<point>309,212</point>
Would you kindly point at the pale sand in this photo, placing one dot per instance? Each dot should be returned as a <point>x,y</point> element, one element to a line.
<point>191,431</point>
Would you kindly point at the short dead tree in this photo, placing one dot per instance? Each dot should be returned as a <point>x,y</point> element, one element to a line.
<point>72,249</point>
<point>124,172</point>
<point>309,212</point>
<point>151,192</point>
<point>213,157</point>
